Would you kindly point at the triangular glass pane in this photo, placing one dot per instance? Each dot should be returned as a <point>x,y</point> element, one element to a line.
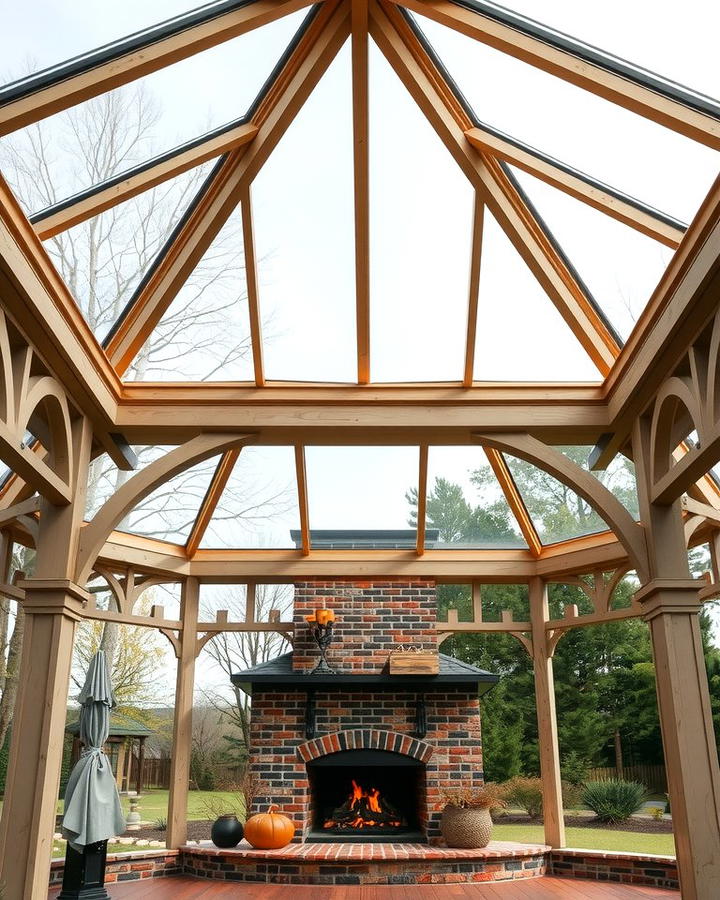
<point>520,334</point>
<point>104,259</point>
<point>303,211</point>
<point>466,507</point>
<point>420,237</point>
<point>361,489</point>
<point>204,334</point>
<point>97,139</point>
<point>618,478</point>
<point>168,514</point>
<point>259,506</point>
<point>620,265</point>
<point>627,151</point>
<point>557,512</point>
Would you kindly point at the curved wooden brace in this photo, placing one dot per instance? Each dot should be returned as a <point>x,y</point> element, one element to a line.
<point>617,577</point>
<point>524,640</point>
<point>205,639</point>
<point>115,587</point>
<point>173,639</point>
<point>629,533</point>
<point>553,639</point>
<point>45,389</point>
<point>669,428</point>
<point>691,525</point>
<point>7,386</point>
<point>137,589</point>
<point>141,485</point>
<point>712,388</point>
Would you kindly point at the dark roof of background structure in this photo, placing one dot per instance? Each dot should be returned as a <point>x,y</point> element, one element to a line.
<point>120,726</point>
<point>279,672</point>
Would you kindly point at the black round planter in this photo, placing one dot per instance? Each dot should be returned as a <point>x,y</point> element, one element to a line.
<point>227,832</point>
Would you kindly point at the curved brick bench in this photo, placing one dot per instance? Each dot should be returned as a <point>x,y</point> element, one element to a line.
<point>366,863</point>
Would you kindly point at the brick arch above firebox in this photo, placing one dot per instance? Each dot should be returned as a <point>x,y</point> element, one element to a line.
<point>365,739</point>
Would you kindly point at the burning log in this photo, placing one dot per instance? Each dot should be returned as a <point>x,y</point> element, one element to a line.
<point>365,809</point>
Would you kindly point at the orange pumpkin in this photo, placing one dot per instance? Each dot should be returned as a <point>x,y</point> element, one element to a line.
<point>270,830</point>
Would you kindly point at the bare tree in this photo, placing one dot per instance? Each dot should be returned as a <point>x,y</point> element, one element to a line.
<point>233,651</point>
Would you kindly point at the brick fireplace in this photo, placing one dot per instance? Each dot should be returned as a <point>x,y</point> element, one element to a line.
<point>363,755</point>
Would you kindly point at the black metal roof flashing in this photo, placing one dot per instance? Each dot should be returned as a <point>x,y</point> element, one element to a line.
<point>278,674</point>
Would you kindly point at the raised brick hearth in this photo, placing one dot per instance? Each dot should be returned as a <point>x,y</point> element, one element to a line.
<point>299,719</point>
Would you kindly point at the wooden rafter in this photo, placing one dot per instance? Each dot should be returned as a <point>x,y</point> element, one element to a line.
<point>445,111</point>
<point>668,104</point>
<point>303,505</point>
<point>304,68</point>
<point>217,485</point>
<point>602,197</point>
<point>422,498</point>
<point>361,169</point>
<point>514,499</point>
<point>122,187</point>
<point>474,290</point>
<point>251,274</point>
<point>76,81</point>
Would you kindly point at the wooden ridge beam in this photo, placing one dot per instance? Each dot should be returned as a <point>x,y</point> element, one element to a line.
<point>578,185</point>
<point>446,113</point>
<point>109,67</point>
<point>83,206</point>
<point>514,499</point>
<point>310,59</point>
<point>474,289</point>
<point>681,110</point>
<point>361,175</point>
<point>217,485</point>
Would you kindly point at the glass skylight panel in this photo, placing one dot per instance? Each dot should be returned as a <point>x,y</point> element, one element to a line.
<point>303,212</point>
<point>557,512</point>
<point>625,150</point>
<point>620,265</point>
<point>108,134</point>
<point>169,512</point>
<point>466,506</point>
<point>204,335</point>
<point>259,506</point>
<point>618,477</point>
<point>365,489</point>
<point>520,334</point>
<point>420,237</point>
<point>104,477</point>
<point>103,260</point>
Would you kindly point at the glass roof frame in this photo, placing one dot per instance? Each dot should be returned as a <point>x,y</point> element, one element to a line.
<point>116,50</point>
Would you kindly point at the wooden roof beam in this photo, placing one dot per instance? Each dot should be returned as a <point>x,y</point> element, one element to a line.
<point>448,115</point>
<point>680,109</point>
<point>201,225</point>
<point>60,87</point>
<point>95,200</point>
<point>361,169</point>
<point>474,289</point>
<point>422,498</point>
<point>514,499</point>
<point>302,489</point>
<point>217,485</point>
<point>608,200</point>
<point>253,292</point>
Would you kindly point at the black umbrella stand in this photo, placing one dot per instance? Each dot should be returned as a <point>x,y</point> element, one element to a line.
<point>84,875</point>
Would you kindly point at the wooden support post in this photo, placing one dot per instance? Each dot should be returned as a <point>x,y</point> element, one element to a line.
<point>182,724</point>
<point>53,605</point>
<point>670,604</point>
<point>141,765</point>
<point>546,716</point>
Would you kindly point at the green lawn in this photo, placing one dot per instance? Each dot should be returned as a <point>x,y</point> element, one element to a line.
<point>592,839</point>
<point>201,804</point>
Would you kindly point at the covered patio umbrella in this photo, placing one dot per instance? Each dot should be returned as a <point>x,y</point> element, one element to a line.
<point>92,805</point>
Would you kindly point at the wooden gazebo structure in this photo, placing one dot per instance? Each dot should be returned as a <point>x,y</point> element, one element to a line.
<point>654,399</point>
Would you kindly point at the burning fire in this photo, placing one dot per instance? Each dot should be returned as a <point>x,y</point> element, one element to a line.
<point>364,809</point>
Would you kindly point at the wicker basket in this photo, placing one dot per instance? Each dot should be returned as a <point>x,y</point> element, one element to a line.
<point>466,828</point>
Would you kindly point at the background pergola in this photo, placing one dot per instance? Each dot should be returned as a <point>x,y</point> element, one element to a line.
<point>655,398</point>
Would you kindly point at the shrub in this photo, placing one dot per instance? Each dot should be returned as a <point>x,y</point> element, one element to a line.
<point>614,800</point>
<point>657,812</point>
<point>574,768</point>
<point>161,823</point>
<point>571,795</point>
<point>525,793</point>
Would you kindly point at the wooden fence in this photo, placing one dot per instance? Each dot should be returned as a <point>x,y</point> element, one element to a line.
<point>156,774</point>
<point>653,777</point>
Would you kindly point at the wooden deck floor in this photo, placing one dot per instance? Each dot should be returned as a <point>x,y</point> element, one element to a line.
<point>531,889</point>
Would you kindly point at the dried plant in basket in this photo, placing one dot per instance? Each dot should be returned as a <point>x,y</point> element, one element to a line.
<point>487,797</point>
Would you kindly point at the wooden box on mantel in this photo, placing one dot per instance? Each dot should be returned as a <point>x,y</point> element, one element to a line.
<point>423,662</point>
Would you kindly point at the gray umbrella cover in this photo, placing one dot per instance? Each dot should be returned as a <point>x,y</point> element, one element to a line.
<point>92,805</point>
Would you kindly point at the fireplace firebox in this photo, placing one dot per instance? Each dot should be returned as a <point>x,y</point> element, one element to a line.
<point>366,795</point>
